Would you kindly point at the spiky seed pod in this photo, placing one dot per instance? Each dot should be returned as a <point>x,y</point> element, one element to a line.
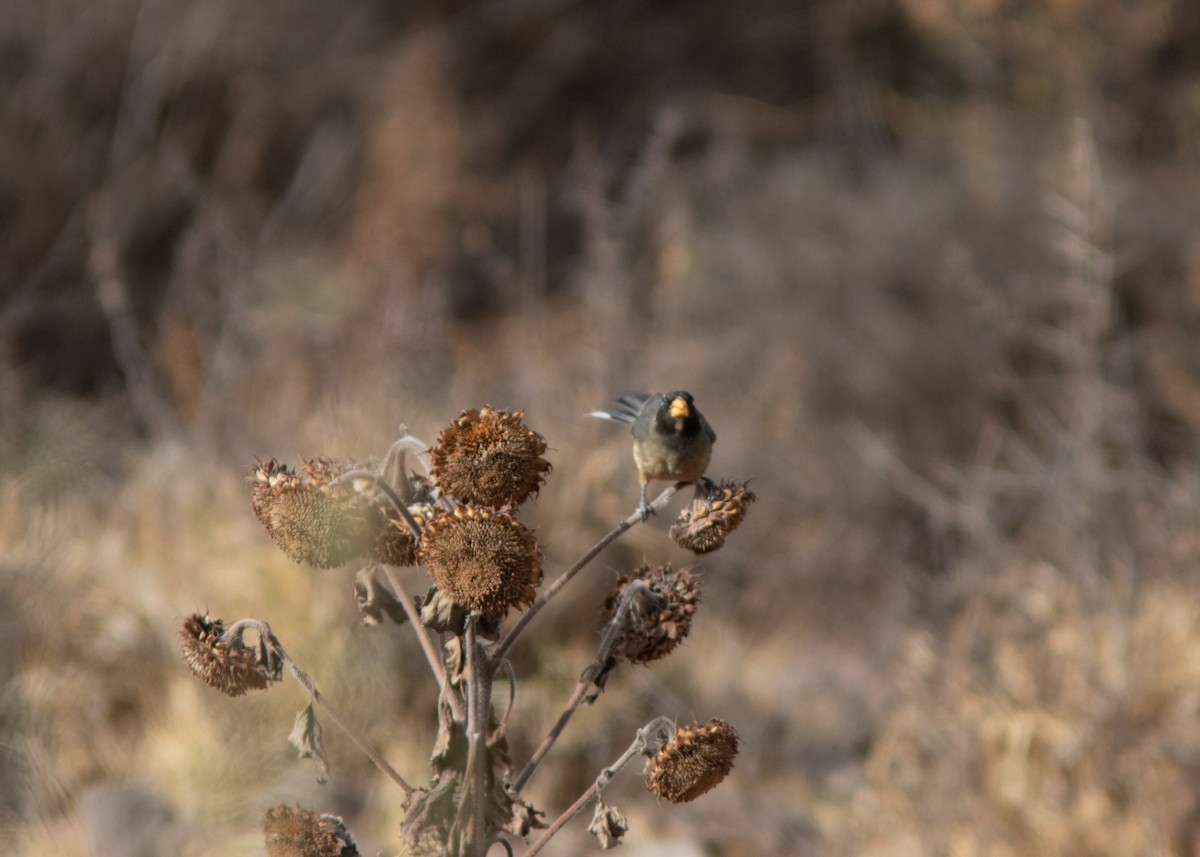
<point>704,523</point>
<point>655,630</point>
<point>489,458</point>
<point>289,831</point>
<point>482,560</point>
<point>694,762</point>
<point>314,521</point>
<point>396,544</point>
<point>225,665</point>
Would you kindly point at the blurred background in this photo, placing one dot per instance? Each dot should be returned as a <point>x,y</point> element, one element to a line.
<point>931,268</point>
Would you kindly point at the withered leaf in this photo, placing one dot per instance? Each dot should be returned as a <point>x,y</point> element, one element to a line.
<point>306,736</point>
<point>524,818</point>
<point>440,614</point>
<point>375,600</point>
<point>608,825</point>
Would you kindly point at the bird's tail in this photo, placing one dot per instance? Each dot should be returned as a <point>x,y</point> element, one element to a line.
<point>628,405</point>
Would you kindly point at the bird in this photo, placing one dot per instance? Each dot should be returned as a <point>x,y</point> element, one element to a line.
<point>671,439</point>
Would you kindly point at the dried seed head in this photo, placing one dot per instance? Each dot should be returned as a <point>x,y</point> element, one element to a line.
<point>289,831</point>
<point>396,544</point>
<point>227,665</point>
<point>658,625</point>
<point>704,523</point>
<point>490,458</point>
<point>314,521</point>
<point>696,760</point>
<point>484,561</point>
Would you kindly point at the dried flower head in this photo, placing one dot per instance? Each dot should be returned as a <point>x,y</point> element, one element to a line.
<point>224,663</point>
<point>490,458</point>
<point>694,762</point>
<point>714,514</point>
<point>312,519</point>
<point>659,624</point>
<point>485,561</point>
<point>289,831</point>
<point>396,544</point>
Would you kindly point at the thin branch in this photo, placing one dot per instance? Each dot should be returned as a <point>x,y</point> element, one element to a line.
<point>414,615</point>
<point>264,631</point>
<point>382,485</point>
<point>405,443</point>
<point>612,636</point>
<point>112,294</point>
<point>640,743</point>
<point>553,589</point>
<point>511,677</point>
<point>432,653</point>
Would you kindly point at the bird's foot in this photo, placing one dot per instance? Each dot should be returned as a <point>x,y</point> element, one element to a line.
<point>645,510</point>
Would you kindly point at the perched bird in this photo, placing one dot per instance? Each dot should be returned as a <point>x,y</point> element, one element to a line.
<point>671,439</point>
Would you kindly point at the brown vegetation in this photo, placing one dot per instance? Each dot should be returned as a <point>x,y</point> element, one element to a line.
<point>929,267</point>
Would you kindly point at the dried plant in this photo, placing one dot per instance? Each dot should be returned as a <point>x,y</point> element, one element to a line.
<point>460,520</point>
<point>714,514</point>
<point>693,762</point>
<point>294,832</point>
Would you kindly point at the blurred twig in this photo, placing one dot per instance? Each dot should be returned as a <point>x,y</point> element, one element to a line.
<point>141,96</point>
<point>113,296</point>
<point>640,743</point>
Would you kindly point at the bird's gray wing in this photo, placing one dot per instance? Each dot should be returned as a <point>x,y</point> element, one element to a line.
<point>633,402</point>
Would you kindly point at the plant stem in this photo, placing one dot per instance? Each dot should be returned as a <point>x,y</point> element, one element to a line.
<point>427,644</point>
<point>479,693</point>
<point>553,589</point>
<point>639,744</point>
<point>388,491</point>
<point>612,636</point>
<point>392,466</point>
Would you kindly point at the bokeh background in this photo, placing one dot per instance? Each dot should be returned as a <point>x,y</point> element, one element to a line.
<point>930,267</point>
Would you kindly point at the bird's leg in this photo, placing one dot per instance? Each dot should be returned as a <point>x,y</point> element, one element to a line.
<point>644,506</point>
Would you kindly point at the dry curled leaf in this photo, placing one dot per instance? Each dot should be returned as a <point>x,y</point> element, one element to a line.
<point>306,736</point>
<point>608,825</point>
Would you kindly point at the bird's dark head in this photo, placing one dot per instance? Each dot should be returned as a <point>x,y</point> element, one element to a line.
<point>678,413</point>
